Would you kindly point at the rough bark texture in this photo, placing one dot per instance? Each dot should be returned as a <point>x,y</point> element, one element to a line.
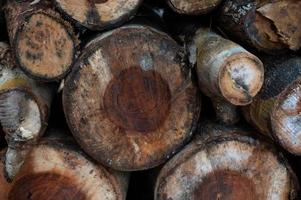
<point>275,111</point>
<point>98,14</point>
<point>130,101</point>
<point>227,163</point>
<point>267,25</point>
<point>226,72</point>
<point>57,169</point>
<point>24,110</point>
<point>193,7</point>
<point>43,43</point>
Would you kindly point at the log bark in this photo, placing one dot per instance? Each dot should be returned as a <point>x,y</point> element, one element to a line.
<point>130,100</point>
<point>98,14</point>
<point>270,26</point>
<point>227,73</point>
<point>24,110</point>
<point>57,169</point>
<point>227,163</point>
<point>44,44</point>
<point>275,111</point>
<point>193,7</point>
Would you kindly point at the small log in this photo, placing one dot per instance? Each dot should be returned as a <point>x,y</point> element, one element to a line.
<point>130,101</point>
<point>98,14</point>
<point>227,163</point>
<point>44,44</point>
<point>269,26</point>
<point>193,7</point>
<point>57,169</point>
<point>227,73</point>
<point>24,110</point>
<point>275,111</point>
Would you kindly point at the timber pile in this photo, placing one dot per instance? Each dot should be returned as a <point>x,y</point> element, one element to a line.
<point>149,99</point>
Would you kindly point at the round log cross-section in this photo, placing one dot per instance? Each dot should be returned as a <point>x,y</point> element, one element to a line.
<point>271,26</point>
<point>227,163</point>
<point>129,101</point>
<point>44,43</point>
<point>57,170</point>
<point>276,109</point>
<point>98,14</point>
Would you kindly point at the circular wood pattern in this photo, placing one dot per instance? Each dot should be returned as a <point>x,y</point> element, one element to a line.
<point>44,47</point>
<point>45,186</point>
<point>129,101</point>
<point>98,14</point>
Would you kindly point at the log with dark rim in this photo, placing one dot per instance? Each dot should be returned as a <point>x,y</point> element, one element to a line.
<point>98,14</point>
<point>270,26</point>
<point>276,110</point>
<point>24,110</point>
<point>57,169</point>
<point>193,7</point>
<point>130,100</point>
<point>227,163</point>
<point>44,44</point>
<point>227,73</point>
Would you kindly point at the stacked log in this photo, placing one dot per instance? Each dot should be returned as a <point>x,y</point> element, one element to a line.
<point>24,110</point>
<point>130,101</point>
<point>127,77</point>
<point>44,43</point>
<point>269,26</point>
<point>57,169</point>
<point>275,111</point>
<point>98,14</point>
<point>227,73</point>
<point>227,163</point>
<point>193,7</point>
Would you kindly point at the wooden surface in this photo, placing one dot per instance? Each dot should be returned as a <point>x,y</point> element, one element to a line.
<point>130,101</point>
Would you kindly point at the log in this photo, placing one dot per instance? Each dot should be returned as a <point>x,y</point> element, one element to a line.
<point>44,44</point>
<point>275,111</point>
<point>130,100</point>
<point>227,73</point>
<point>57,169</point>
<point>24,110</point>
<point>227,163</point>
<point>269,26</point>
<point>98,14</point>
<point>193,7</point>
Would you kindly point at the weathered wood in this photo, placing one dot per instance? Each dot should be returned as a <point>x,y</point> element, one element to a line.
<point>57,169</point>
<point>275,111</point>
<point>98,14</point>
<point>44,44</point>
<point>226,72</point>
<point>227,163</point>
<point>269,26</point>
<point>24,110</point>
<point>193,7</point>
<point>130,101</point>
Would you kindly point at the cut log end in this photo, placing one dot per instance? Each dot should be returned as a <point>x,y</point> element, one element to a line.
<point>45,186</point>
<point>227,163</point>
<point>57,169</point>
<point>21,119</point>
<point>20,115</point>
<point>226,185</point>
<point>193,7</point>
<point>138,100</point>
<point>98,14</point>
<point>44,47</point>
<point>286,119</point>
<point>241,78</point>
<point>138,94</point>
